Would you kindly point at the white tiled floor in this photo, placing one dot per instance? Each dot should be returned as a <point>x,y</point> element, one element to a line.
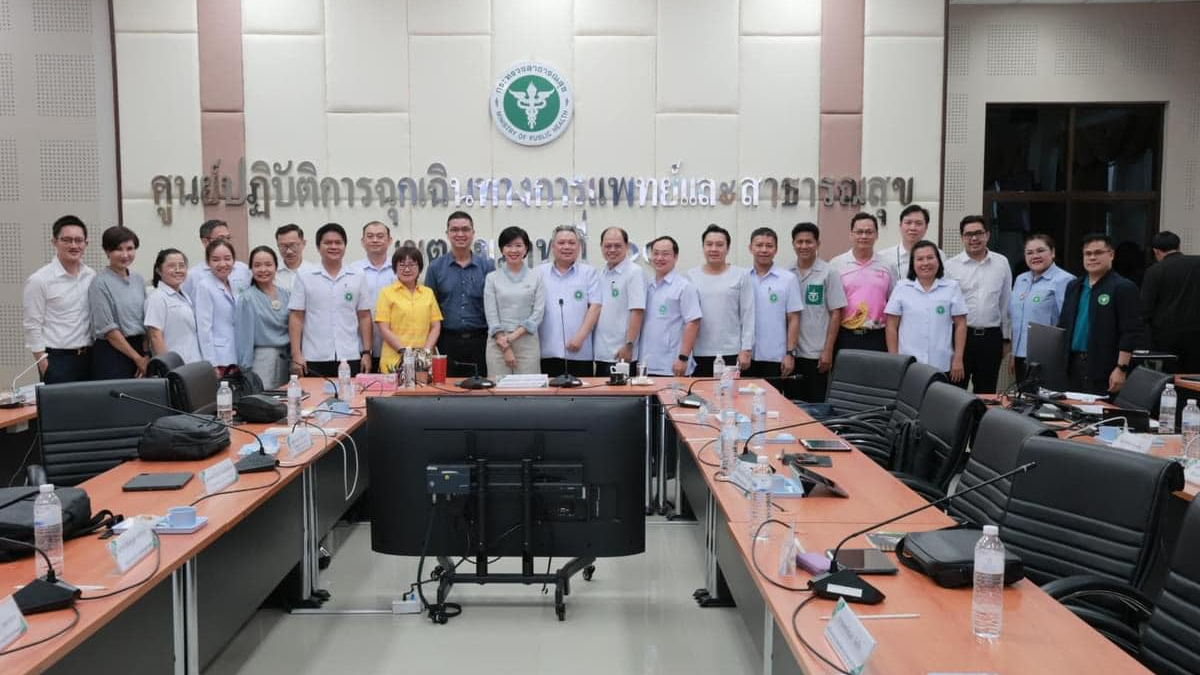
<point>636,616</point>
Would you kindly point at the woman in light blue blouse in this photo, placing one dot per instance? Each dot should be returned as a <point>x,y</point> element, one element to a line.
<point>216,301</point>
<point>261,323</point>
<point>1037,296</point>
<point>513,302</point>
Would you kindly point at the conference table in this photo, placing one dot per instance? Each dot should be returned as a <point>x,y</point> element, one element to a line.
<point>186,603</point>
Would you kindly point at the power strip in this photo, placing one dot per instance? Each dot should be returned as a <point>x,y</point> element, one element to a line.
<point>410,603</point>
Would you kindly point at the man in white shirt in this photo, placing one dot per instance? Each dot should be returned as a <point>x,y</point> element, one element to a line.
<point>572,292</point>
<point>239,278</point>
<point>986,282</point>
<point>914,223</point>
<point>57,320</point>
<point>824,300</point>
<point>325,309</point>
<point>777,306</point>
<point>376,268</point>
<point>289,239</point>
<point>622,307</point>
<point>673,313</point>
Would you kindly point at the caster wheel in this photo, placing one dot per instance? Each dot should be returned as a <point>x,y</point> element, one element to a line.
<point>436,572</point>
<point>438,617</point>
<point>588,572</point>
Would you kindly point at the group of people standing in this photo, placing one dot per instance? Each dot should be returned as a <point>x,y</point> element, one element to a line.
<point>963,315</point>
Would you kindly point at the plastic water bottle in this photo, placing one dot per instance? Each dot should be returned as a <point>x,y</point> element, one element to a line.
<point>702,414</point>
<point>225,403</point>
<point>294,395</point>
<point>758,438</point>
<point>1166,410</point>
<point>48,531</point>
<point>987,599</point>
<point>743,425</point>
<point>409,369</point>
<point>760,497</point>
<point>1191,429</point>
<point>727,385</point>
<point>719,374</point>
<point>728,443</point>
<point>345,384</point>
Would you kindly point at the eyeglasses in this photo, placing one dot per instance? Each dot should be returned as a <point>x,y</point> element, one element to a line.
<point>291,247</point>
<point>1096,254</point>
<point>977,234</point>
<point>408,265</point>
<point>70,241</point>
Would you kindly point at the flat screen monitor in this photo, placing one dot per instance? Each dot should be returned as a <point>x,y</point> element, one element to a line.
<point>1047,347</point>
<point>586,454</point>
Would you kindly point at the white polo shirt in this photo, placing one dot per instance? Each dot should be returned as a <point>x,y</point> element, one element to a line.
<point>330,305</point>
<point>670,304</point>
<point>926,319</point>
<point>578,288</point>
<point>622,289</point>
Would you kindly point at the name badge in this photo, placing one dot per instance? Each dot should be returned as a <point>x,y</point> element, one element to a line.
<point>219,476</point>
<point>299,441</point>
<point>12,624</point>
<point>849,638</point>
<point>132,545</point>
<point>1134,442</point>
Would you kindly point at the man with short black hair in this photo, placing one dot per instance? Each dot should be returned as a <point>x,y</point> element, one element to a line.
<point>985,279</point>
<point>1102,317</point>
<point>622,307</point>
<point>777,306</point>
<point>289,239</point>
<point>330,314</point>
<point>1171,302</point>
<point>821,289</point>
<point>57,318</point>
<point>868,281</point>
<point>376,268</point>
<point>914,223</point>
<point>457,280</point>
<point>239,278</point>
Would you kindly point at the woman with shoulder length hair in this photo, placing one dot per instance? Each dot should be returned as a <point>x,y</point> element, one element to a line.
<point>406,313</point>
<point>513,302</point>
<point>117,299</point>
<point>170,313</point>
<point>261,322</point>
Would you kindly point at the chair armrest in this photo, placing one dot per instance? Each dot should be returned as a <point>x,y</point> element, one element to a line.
<point>1083,586</point>
<point>36,474</point>
<point>843,425</point>
<point>920,486</point>
<point>1128,638</point>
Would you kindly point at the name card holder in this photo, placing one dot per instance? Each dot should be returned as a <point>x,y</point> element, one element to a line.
<point>849,638</point>
<point>219,476</point>
<point>12,624</point>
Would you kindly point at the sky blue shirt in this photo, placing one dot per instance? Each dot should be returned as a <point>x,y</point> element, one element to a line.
<point>376,279</point>
<point>670,304</point>
<point>776,294</point>
<point>1036,301</point>
<point>1079,338</point>
<point>927,319</point>
<point>623,289</point>
<point>215,306</point>
<point>459,290</point>
<point>578,288</point>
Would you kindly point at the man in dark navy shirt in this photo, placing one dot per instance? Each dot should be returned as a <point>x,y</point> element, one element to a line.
<point>457,280</point>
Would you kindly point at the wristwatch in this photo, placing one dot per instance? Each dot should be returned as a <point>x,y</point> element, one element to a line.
<point>683,357</point>
<point>794,353</point>
<point>1125,367</point>
<point>629,343</point>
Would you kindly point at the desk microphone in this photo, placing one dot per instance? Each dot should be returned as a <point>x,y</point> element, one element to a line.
<point>304,371</point>
<point>252,463</point>
<point>566,380</point>
<point>474,381</point>
<point>751,457</point>
<point>17,399</point>
<point>842,582</point>
<point>43,595</point>
<point>690,400</point>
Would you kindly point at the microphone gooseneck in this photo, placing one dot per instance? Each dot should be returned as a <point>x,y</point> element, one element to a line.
<point>566,380</point>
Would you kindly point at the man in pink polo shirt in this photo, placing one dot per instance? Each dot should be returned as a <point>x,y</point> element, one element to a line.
<point>868,282</point>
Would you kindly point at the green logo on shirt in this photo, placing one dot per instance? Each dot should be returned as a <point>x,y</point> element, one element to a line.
<point>774,297</point>
<point>662,310</point>
<point>1037,298</point>
<point>1103,299</point>
<point>616,293</point>
<point>941,309</point>
<point>349,296</point>
<point>815,295</point>
<point>578,295</point>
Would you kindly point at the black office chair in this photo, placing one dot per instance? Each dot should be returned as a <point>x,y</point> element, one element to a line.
<point>162,364</point>
<point>944,427</point>
<point>194,387</point>
<point>876,436</point>
<point>1143,390</point>
<point>864,379</point>
<point>996,449</point>
<point>1088,510</point>
<point>1161,631</point>
<point>85,431</point>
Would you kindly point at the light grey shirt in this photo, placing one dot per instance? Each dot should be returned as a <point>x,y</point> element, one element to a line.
<point>117,302</point>
<point>260,321</point>
<point>727,303</point>
<point>623,288</point>
<point>513,300</point>
<point>822,293</point>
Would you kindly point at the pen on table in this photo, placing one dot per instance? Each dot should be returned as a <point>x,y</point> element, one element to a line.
<point>865,617</point>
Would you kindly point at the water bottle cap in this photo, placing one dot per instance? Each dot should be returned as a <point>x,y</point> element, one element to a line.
<point>45,488</point>
<point>763,459</point>
<point>1170,386</point>
<point>992,530</point>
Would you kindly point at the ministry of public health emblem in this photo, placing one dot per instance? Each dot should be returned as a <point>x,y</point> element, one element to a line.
<point>532,103</point>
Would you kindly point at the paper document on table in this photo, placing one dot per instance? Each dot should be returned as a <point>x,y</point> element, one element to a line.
<point>1090,409</point>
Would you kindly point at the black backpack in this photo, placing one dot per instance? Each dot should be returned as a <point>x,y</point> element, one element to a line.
<point>16,518</point>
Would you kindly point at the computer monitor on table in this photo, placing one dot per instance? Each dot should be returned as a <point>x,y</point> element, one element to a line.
<point>585,458</point>
<point>1047,347</point>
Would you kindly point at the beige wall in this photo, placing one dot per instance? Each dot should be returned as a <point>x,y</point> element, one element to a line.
<point>1066,54</point>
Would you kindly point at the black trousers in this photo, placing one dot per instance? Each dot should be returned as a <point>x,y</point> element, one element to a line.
<point>873,340</point>
<point>704,364</point>
<point>68,365</point>
<point>1077,376</point>
<point>1186,346</point>
<point>1019,368</point>
<point>110,364</point>
<point>555,366</point>
<point>463,346</point>
<point>329,368</point>
<point>811,386</point>
<point>981,359</point>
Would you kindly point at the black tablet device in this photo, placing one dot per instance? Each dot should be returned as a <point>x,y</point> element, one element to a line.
<point>156,481</point>
<point>865,560</point>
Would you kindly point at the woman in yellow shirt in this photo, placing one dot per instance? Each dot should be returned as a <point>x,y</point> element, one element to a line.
<point>406,314</point>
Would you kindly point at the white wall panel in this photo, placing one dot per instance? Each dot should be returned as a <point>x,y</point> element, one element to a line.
<point>532,30</point>
<point>442,17</point>
<point>176,16</point>
<point>706,145</point>
<point>905,17</point>
<point>615,17</point>
<point>283,16</point>
<point>366,56</point>
<point>781,17</point>
<point>285,98</point>
<point>780,117</point>
<point>697,56</point>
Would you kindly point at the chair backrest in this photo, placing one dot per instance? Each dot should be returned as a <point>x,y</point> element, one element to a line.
<point>948,417</point>
<point>194,387</point>
<point>997,446</point>
<point>1143,389</point>
<point>864,379</point>
<point>1088,509</point>
<point>1169,642</point>
<point>164,363</point>
<point>85,431</point>
<point>917,380</point>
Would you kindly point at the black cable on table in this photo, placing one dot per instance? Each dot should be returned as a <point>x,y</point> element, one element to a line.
<point>148,577</point>
<point>278,477</point>
<point>809,647</point>
<point>754,558</point>
<point>62,631</point>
